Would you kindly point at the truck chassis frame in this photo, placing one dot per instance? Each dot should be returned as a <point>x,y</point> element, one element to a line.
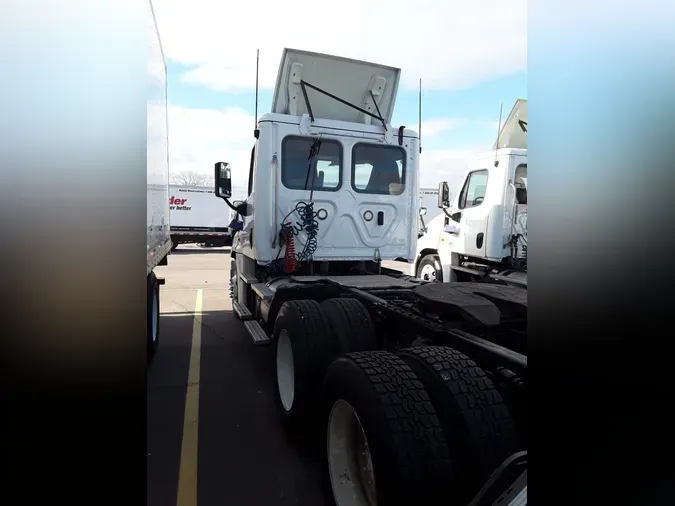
<point>390,302</point>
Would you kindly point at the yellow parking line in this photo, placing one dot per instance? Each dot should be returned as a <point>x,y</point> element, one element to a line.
<point>187,474</point>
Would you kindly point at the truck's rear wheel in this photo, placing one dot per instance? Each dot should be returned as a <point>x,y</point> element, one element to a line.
<point>429,268</point>
<point>477,425</point>
<point>351,324</point>
<point>385,444</point>
<point>152,337</point>
<point>304,350</point>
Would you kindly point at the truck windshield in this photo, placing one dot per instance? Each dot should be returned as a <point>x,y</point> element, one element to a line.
<point>378,169</point>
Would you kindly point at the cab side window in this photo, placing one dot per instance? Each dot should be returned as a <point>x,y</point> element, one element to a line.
<point>474,189</point>
<point>251,173</point>
<point>520,182</point>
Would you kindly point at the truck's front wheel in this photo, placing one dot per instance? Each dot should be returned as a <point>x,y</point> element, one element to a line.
<point>430,268</point>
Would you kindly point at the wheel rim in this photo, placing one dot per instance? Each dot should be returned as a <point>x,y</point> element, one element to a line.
<point>155,315</point>
<point>428,273</point>
<point>285,370</point>
<point>349,459</point>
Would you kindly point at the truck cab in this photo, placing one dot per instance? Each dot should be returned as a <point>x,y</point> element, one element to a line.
<point>483,230</point>
<point>328,169</point>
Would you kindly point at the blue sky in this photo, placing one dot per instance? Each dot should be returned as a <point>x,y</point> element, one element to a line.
<point>478,105</point>
<point>480,62</point>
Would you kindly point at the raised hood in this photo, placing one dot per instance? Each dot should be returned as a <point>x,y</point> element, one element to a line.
<point>350,80</point>
<point>513,133</point>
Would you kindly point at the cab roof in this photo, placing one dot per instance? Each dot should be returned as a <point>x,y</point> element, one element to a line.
<point>513,133</point>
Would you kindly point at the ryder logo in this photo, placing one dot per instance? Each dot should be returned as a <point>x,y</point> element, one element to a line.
<point>176,204</point>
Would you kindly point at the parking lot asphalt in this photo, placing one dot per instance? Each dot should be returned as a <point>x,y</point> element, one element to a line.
<point>213,435</point>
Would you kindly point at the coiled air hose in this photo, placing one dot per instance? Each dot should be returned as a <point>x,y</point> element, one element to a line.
<point>308,224</point>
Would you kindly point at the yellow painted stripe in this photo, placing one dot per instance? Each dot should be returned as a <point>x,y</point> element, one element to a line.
<point>187,475</point>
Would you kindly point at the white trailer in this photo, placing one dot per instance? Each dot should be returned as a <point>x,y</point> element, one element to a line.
<point>482,232</point>
<point>417,390</point>
<point>158,219</point>
<point>198,217</point>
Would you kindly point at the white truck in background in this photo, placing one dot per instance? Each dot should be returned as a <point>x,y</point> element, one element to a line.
<point>158,219</point>
<point>197,217</point>
<point>485,233</point>
<point>417,390</point>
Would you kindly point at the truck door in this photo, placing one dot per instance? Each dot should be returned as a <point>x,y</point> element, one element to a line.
<point>474,213</point>
<point>518,213</point>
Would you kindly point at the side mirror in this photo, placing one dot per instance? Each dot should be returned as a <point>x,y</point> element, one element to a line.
<point>242,208</point>
<point>223,180</point>
<point>443,195</point>
<point>456,217</point>
<point>423,211</point>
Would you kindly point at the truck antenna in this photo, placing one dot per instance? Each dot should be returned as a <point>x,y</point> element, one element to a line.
<point>419,115</point>
<point>499,130</point>
<point>257,64</point>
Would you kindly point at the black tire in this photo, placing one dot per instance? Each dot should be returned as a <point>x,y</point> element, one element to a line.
<point>477,424</point>
<point>174,244</point>
<point>313,349</point>
<point>351,324</point>
<point>152,317</point>
<point>435,262</point>
<point>410,459</point>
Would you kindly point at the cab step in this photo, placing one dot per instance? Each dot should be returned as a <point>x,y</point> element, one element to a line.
<point>263,291</point>
<point>257,333</point>
<point>241,311</point>
<point>247,278</point>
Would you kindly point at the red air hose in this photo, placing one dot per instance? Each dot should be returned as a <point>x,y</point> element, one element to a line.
<point>289,254</point>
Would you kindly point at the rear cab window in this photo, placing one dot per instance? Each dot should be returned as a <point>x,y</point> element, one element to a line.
<point>325,172</point>
<point>378,169</point>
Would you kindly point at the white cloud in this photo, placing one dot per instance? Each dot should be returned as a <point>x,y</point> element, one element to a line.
<point>450,45</point>
<point>446,165</point>
<point>198,138</point>
<point>436,126</point>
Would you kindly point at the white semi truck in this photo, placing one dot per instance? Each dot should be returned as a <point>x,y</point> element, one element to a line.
<point>196,217</point>
<point>415,389</point>
<point>484,235</point>
<point>158,219</point>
